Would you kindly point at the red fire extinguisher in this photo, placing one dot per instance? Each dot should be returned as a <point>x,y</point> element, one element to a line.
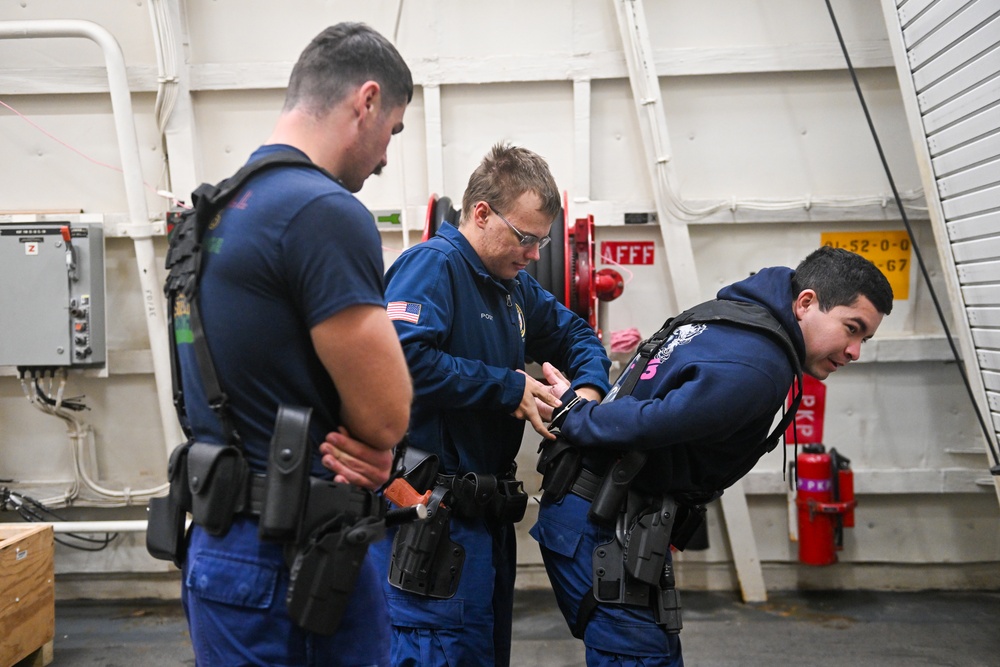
<point>825,502</point>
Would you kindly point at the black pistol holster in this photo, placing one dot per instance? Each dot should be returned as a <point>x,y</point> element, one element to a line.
<point>340,522</point>
<point>425,560</point>
<point>326,526</point>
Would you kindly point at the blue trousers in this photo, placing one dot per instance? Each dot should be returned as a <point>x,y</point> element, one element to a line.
<point>616,634</point>
<point>234,590</point>
<point>474,626</point>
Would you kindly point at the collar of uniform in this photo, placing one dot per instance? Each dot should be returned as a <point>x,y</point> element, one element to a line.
<point>450,233</point>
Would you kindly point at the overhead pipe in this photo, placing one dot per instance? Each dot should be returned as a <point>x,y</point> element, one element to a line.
<point>139,227</point>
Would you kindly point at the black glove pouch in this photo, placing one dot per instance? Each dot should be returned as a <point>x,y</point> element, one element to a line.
<point>217,478</point>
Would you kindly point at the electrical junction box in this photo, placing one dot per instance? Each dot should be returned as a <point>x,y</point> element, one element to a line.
<point>52,294</point>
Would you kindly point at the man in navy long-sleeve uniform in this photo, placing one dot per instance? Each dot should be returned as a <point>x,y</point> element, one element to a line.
<point>468,316</point>
<point>701,410</point>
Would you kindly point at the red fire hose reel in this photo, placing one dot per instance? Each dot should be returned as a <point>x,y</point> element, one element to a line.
<point>567,269</point>
<point>584,284</point>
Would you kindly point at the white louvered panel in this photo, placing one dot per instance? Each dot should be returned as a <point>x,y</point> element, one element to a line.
<point>980,97</point>
<point>909,10</point>
<point>975,44</point>
<point>988,359</point>
<point>973,251</point>
<point>988,339</point>
<point>984,317</point>
<point>983,272</point>
<point>947,55</point>
<point>974,73</point>
<point>932,25</point>
<point>971,179</point>
<point>981,124</point>
<point>980,225</point>
<point>991,380</point>
<point>973,203</point>
<point>985,149</point>
<point>933,32</point>
<point>981,295</point>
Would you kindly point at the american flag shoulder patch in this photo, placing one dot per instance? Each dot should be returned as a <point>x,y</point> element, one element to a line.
<point>404,311</point>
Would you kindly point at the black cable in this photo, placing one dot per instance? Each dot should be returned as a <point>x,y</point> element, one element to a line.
<point>33,511</point>
<point>74,403</point>
<point>995,470</point>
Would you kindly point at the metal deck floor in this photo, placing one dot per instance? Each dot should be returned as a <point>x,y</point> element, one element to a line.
<point>819,629</point>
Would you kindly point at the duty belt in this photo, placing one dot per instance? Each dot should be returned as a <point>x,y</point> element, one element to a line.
<point>587,484</point>
<point>357,499</point>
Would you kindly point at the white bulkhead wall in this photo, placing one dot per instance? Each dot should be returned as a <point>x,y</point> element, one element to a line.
<point>759,108</point>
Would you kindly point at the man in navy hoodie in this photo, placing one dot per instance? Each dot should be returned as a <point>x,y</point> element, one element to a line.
<point>468,317</point>
<point>701,411</point>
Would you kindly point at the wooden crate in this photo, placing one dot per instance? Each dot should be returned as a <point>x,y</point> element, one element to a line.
<point>27,594</point>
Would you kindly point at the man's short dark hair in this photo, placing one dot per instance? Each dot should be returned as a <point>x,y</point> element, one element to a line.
<point>340,59</point>
<point>506,173</point>
<point>839,276</point>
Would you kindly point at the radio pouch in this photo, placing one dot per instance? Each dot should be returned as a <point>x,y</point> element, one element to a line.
<point>424,559</point>
<point>325,571</point>
<point>166,537</point>
<point>217,477</point>
<point>559,463</point>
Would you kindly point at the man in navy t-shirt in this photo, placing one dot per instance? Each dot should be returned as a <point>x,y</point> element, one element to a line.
<point>291,300</point>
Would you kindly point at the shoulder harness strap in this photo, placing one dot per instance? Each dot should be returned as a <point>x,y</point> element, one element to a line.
<point>740,313</point>
<point>183,264</point>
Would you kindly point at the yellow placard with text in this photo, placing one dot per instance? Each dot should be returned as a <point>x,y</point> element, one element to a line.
<point>889,251</point>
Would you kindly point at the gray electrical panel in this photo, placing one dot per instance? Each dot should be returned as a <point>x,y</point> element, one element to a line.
<point>52,294</point>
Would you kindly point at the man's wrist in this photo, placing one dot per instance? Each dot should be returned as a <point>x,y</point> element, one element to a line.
<point>560,413</point>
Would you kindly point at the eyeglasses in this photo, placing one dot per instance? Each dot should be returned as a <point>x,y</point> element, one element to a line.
<point>525,240</point>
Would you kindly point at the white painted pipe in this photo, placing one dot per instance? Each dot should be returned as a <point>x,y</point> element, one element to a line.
<point>137,526</point>
<point>139,228</point>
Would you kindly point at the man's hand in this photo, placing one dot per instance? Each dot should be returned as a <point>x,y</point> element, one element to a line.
<point>559,385</point>
<point>529,407</point>
<point>355,462</point>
